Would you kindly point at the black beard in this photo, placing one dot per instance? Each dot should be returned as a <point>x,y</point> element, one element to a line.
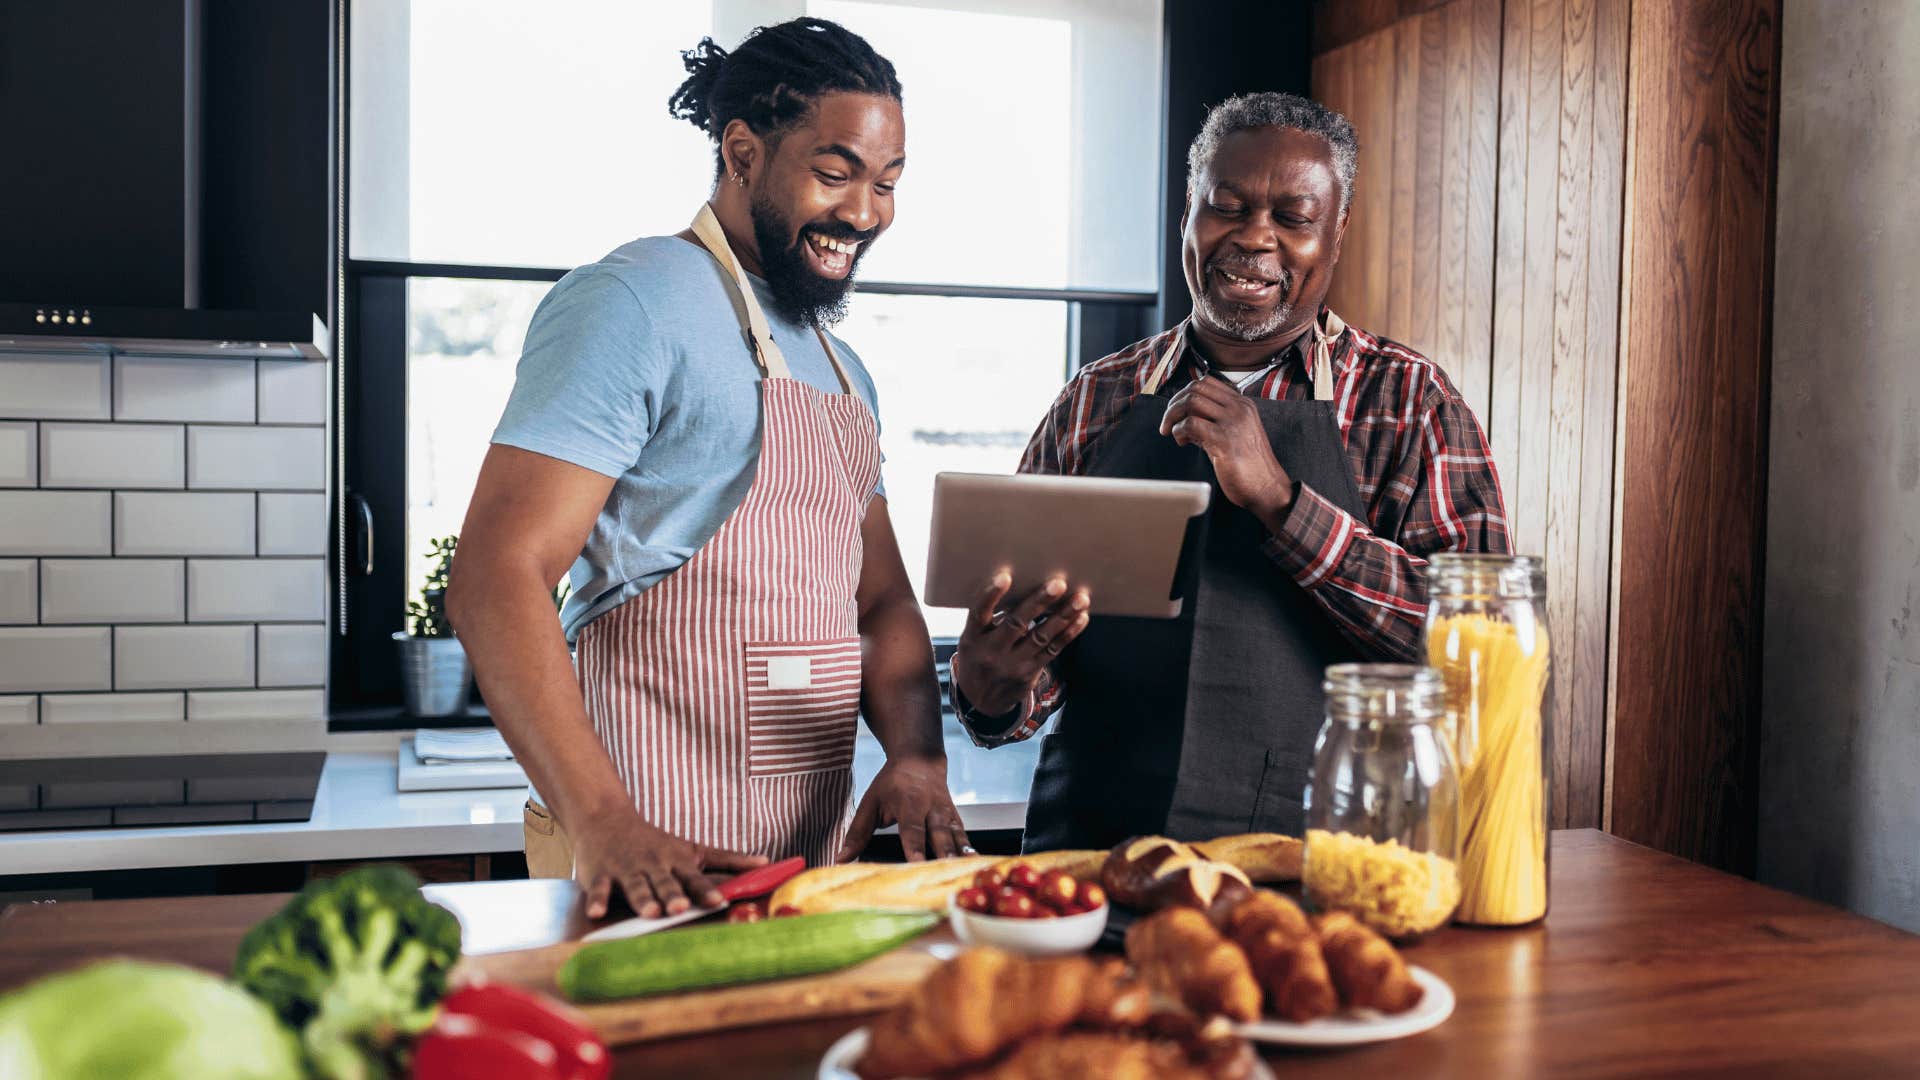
<point>799,294</point>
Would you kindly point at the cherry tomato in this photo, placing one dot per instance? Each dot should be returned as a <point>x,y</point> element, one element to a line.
<point>1014,904</point>
<point>1058,889</point>
<point>1023,876</point>
<point>989,879</point>
<point>1091,895</point>
<point>747,911</point>
<point>974,898</point>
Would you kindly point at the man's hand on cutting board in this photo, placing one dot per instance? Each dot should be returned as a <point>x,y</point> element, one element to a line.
<point>659,873</point>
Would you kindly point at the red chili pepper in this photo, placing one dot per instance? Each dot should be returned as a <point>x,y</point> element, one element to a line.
<point>579,1053</point>
<point>464,1048</point>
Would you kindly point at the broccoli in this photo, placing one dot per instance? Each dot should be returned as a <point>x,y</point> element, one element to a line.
<point>355,965</point>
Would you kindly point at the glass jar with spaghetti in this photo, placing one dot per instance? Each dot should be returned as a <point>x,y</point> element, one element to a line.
<point>1487,634</point>
<point>1382,805</point>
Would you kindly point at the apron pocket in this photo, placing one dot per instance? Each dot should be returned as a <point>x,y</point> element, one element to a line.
<point>1280,805</point>
<point>803,706</point>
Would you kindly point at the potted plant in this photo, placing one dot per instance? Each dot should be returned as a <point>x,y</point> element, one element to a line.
<point>434,671</point>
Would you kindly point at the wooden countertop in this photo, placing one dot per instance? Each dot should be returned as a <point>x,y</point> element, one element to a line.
<point>1646,965</point>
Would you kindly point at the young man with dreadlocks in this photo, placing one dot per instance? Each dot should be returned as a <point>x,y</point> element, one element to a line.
<point>686,434</point>
<point>1339,461</point>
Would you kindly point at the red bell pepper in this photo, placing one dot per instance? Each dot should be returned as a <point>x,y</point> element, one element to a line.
<point>463,1048</point>
<point>511,1024</point>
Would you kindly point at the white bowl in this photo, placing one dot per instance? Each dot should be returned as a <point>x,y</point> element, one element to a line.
<point>1057,936</point>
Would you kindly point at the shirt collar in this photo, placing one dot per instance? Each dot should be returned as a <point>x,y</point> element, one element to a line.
<point>1292,356</point>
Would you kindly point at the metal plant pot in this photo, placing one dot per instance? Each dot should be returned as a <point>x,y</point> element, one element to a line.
<point>435,674</point>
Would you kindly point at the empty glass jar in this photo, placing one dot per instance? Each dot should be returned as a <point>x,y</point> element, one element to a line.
<point>1382,805</point>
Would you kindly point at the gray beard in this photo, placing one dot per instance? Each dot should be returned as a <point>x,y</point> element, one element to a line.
<point>1240,327</point>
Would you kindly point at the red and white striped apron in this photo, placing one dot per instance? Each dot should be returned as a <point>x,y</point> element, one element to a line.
<point>728,694</point>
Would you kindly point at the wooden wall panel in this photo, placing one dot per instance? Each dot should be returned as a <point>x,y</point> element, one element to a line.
<point>1702,93</point>
<point>1504,207</point>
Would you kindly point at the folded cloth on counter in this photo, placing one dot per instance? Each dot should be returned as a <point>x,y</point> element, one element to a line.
<point>441,746</point>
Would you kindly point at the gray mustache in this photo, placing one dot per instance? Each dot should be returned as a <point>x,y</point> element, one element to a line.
<point>1278,275</point>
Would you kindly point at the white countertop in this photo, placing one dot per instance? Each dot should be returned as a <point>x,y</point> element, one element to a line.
<point>359,813</point>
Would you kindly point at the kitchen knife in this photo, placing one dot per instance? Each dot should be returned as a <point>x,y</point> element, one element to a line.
<point>755,882</point>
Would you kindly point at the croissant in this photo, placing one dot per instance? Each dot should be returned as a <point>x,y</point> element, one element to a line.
<point>1285,955</point>
<point>1367,971</point>
<point>1105,1054</point>
<point>984,1001</point>
<point>1264,911</point>
<point>1179,953</point>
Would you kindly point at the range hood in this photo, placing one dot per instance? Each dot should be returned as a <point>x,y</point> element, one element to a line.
<point>171,176</point>
<point>183,331</point>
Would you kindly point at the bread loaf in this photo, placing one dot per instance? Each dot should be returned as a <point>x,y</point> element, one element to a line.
<point>1153,872</point>
<point>926,885</point>
<point>1265,858</point>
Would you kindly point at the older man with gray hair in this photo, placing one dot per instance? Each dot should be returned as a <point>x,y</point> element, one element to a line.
<point>1339,459</point>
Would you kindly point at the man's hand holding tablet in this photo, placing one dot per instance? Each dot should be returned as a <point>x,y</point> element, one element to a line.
<point>1003,651</point>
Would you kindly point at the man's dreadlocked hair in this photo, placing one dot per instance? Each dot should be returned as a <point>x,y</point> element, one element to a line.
<point>773,77</point>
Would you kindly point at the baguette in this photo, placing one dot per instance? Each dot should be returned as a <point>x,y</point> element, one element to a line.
<point>924,885</point>
<point>1265,858</point>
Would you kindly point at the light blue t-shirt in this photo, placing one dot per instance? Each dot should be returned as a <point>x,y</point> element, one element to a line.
<point>636,367</point>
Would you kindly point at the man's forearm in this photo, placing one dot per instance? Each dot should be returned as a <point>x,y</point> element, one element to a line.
<point>520,659</point>
<point>899,694</point>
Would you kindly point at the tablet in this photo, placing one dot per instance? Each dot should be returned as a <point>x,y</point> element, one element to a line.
<point>1122,539</point>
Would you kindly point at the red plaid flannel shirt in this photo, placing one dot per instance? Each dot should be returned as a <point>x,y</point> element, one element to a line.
<point>1420,462</point>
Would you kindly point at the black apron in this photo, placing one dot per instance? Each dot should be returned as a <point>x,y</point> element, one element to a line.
<point>1201,725</point>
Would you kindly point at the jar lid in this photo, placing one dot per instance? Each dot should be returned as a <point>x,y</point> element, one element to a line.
<point>1403,693</point>
<point>1459,573</point>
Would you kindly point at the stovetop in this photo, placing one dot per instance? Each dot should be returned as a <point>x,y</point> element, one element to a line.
<point>185,789</point>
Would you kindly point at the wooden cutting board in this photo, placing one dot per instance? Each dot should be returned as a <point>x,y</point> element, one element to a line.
<point>872,986</point>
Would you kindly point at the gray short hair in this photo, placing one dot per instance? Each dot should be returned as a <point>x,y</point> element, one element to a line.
<point>1249,111</point>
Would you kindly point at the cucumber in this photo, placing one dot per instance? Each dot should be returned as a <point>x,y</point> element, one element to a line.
<point>726,954</point>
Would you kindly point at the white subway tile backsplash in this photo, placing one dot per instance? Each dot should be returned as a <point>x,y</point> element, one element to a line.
<point>48,658</point>
<point>112,591</point>
<point>19,454</point>
<point>256,590</point>
<point>183,389</point>
<point>257,705</point>
<point>54,386</point>
<point>113,455</point>
<point>293,655</point>
<point>182,657</point>
<point>293,524</point>
<point>55,523</point>
<point>19,710</point>
<point>19,592</point>
<point>272,458</point>
<point>293,392</point>
<point>183,523</point>
<point>112,708</point>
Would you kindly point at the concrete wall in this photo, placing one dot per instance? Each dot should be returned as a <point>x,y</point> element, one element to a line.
<point>1840,768</point>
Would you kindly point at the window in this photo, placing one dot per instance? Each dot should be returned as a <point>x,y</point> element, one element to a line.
<point>495,144</point>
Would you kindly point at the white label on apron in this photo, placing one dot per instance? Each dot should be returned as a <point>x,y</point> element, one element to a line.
<point>789,672</point>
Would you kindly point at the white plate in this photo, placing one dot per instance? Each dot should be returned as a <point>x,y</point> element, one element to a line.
<point>842,1055</point>
<point>1352,1027</point>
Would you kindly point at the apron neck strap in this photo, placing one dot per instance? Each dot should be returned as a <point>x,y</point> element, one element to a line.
<point>1325,330</point>
<point>766,352</point>
<point>1319,356</point>
<point>1163,367</point>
